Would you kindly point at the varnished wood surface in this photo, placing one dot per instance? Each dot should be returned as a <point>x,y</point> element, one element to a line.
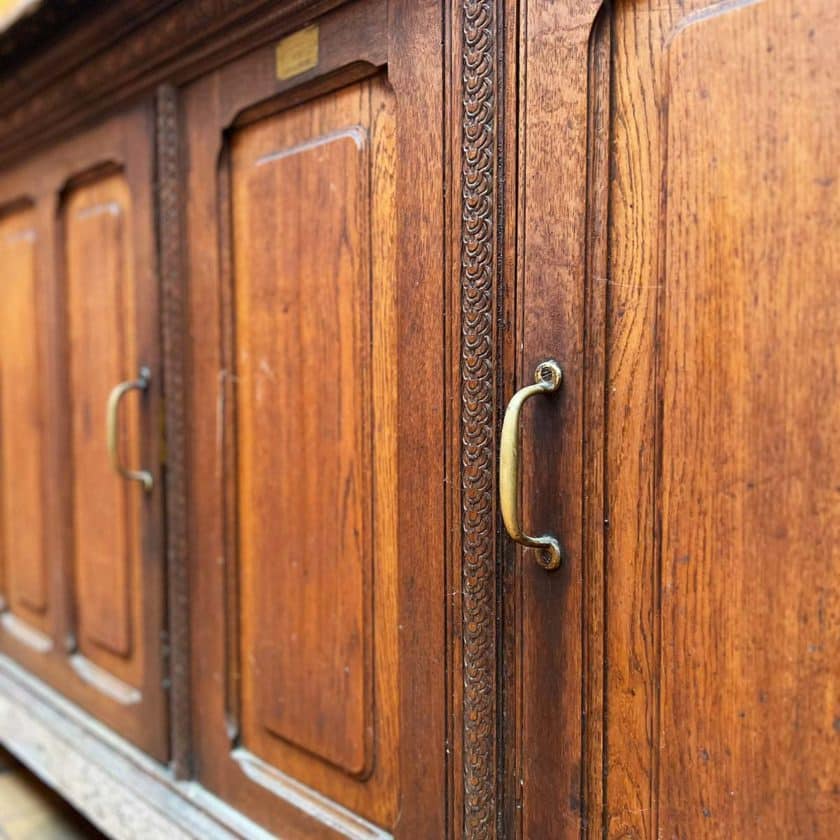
<point>106,509</point>
<point>21,424</point>
<point>305,415</point>
<point>749,373</point>
<point>707,300</point>
<point>93,248</point>
<point>300,483</point>
<point>551,252</point>
<point>671,244</point>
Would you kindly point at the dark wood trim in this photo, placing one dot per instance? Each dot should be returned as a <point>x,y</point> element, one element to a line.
<point>173,320</point>
<point>35,29</point>
<point>480,263</point>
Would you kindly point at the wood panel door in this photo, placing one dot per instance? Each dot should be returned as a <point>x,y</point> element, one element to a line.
<point>315,272</point>
<point>82,544</point>
<point>678,675</point>
<point>27,604</point>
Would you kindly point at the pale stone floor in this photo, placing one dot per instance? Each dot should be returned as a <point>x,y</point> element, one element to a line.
<point>29,810</point>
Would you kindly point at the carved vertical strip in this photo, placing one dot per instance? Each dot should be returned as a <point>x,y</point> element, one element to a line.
<point>173,306</point>
<point>479,217</point>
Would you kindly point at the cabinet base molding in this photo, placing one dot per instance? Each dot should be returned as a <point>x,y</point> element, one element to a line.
<point>119,789</point>
<point>327,812</point>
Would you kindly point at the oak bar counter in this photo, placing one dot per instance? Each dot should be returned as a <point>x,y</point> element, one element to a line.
<point>421,419</point>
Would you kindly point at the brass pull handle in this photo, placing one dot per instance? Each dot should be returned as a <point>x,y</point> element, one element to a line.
<point>547,379</point>
<point>112,414</point>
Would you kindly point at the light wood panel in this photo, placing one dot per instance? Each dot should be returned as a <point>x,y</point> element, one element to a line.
<point>706,291</point>
<point>90,217</point>
<point>720,477</point>
<point>312,268</point>
<point>750,371</point>
<point>21,423</point>
<point>106,508</point>
<point>305,411</point>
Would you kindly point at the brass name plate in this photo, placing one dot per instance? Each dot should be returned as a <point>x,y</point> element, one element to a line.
<point>297,53</point>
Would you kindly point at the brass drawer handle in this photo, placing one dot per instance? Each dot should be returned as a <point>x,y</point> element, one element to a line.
<point>114,398</point>
<point>547,379</point>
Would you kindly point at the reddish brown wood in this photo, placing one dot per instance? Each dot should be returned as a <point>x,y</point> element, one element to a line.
<point>306,411</point>
<point>100,290</point>
<point>299,335</point>
<point>21,423</point>
<point>415,72</point>
<point>94,257</point>
<point>551,313</point>
<point>366,654</point>
<point>705,302</point>
<point>749,370</point>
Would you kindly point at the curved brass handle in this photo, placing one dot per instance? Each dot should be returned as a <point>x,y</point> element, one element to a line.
<point>112,413</point>
<point>547,378</point>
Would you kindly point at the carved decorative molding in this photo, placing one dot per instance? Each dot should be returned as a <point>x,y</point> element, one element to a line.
<point>173,319</point>
<point>479,215</point>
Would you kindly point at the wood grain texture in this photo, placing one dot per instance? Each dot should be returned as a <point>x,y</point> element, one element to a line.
<point>415,72</point>
<point>259,769</point>
<point>108,168</point>
<point>750,369</point>
<point>632,284</point>
<point>302,279</point>
<point>106,508</point>
<point>552,261</point>
<point>709,515</point>
<point>21,424</point>
<point>705,294</point>
<point>407,700</point>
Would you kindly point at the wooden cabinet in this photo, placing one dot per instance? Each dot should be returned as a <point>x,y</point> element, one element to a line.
<point>83,548</point>
<point>304,316</point>
<point>271,272</point>
<point>692,279</point>
<point>24,555</point>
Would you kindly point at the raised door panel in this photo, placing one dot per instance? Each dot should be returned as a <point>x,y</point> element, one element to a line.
<point>23,553</point>
<point>707,300</point>
<point>306,406</point>
<point>100,289</point>
<point>310,686</point>
<point>750,368</point>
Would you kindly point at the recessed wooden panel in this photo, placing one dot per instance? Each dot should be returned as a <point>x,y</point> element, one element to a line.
<point>100,295</point>
<point>21,422</point>
<point>721,462</point>
<point>751,427</point>
<point>76,219</point>
<point>722,444</point>
<point>293,233</point>
<point>304,425</point>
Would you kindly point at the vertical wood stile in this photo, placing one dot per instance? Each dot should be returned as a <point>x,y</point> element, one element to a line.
<point>172,326</point>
